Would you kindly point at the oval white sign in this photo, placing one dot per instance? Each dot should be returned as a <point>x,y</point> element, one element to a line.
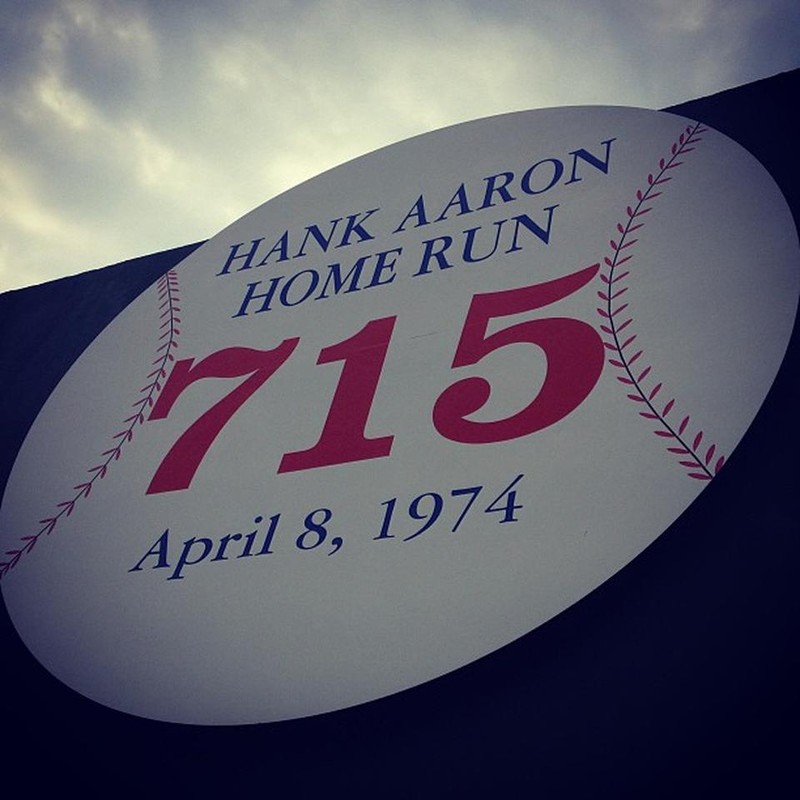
<point>399,416</point>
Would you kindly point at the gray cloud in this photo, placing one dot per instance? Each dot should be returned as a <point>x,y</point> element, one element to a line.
<point>128,127</point>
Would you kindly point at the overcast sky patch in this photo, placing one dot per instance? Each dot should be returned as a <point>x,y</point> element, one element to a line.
<point>130,127</point>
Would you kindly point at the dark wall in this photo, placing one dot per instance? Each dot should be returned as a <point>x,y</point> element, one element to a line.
<point>677,678</point>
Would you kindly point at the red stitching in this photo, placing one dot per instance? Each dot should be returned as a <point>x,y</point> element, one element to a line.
<point>168,292</point>
<point>698,464</point>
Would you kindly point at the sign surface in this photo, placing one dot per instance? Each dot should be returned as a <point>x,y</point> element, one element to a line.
<point>399,416</point>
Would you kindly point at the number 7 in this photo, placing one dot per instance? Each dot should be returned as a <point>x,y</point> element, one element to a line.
<point>181,462</point>
<point>473,491</point>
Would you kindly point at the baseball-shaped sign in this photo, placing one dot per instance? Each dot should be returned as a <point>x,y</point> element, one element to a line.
<point>399,416</point>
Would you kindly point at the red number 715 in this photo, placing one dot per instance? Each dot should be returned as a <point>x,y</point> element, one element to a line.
<point>574,352</point>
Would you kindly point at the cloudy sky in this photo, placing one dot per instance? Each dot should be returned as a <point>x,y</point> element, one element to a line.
<point>128,126</point>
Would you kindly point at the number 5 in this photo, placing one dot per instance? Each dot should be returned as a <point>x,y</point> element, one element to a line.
<point>574,353</point>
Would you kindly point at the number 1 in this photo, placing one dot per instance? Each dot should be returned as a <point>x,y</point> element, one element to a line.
<point>342,439</point>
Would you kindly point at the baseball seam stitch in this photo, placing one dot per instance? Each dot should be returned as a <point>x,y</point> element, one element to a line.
<point>698,465</point>
<point>168,291</point>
